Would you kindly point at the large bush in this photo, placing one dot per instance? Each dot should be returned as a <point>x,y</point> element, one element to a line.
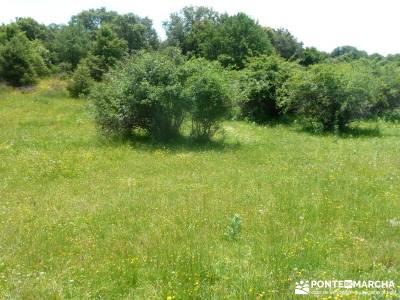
<point>388,77</point>
<point>261,80</point>
<point>21,60</point>
<point>156,91</point>
<point>144,92</point>
<point>331,95</point>
<point>209,95</point>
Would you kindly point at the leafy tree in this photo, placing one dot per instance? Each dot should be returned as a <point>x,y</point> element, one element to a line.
<point>229,39</point>
<point>107,49</point>
<point>137,32</point>
<point>32,29</point>
<point>240,37</point>
<point>21,61</point>
<point>184,29</point>
<point>348,53</point>
<point>71,44</point>
<point>92,19</point>
<point>285,44</point>
<point>312,56</point>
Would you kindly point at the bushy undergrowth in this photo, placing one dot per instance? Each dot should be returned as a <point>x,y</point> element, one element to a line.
<point>261,81</point>
<point>331,95</point>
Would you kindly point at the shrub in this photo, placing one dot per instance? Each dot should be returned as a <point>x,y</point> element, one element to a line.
<point>144,92</point>
<point>262,78</point>
<point>21,61</point>
<point>209,96</point>
<point>81,81</point>
<point>332,95</point>
<point>388,77</point>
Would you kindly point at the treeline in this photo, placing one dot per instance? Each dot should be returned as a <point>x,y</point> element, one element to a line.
<point>211,66</point>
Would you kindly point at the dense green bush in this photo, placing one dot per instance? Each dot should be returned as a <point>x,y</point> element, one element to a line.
<point>21,60</point>
<point>261,80</point>
<point>81,81</point>
<point>209,95</point>
<point>388,78</point>
<point>232,40</point>
<point>331,95</point>
<point>144,92</point>
<point>156,91</point>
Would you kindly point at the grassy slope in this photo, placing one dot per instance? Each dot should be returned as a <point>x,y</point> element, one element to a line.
<point>82,217</point>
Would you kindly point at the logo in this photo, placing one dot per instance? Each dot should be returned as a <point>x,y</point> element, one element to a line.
<point>345,287</point>
<point>302,288</point>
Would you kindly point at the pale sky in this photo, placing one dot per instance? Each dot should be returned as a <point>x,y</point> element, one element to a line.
<point>371,25</point>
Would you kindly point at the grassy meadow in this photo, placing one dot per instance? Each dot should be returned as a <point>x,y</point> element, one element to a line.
<point>85,217</point>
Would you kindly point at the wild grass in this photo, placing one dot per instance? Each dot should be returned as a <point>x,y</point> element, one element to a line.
<point>85,217</point>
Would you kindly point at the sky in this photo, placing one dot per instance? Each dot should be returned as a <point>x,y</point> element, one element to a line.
<point>370,25</point>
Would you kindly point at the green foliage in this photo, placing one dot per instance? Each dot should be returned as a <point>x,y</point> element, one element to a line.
<point>144,92</point>
<point>71,44</point>
<point>229,39</point>
<point>330,95</point>
<point>312,56</point>
<point>108,48</point>
<point>388,78</point>
<point>155,91</point>
<point>209,96</point>
<point>348,53</point>
<point>21,61</point>
<point>188,28</point>
<point>137,32</point>
<point>261,80</point>
<point>92,19</point>
<point>234,228</point>
<point>285,44</point>
<point>240,37</point>
<point>32,29</point>
<point>81,81</point>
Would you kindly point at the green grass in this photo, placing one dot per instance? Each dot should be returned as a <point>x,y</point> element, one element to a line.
<point>82,217</point>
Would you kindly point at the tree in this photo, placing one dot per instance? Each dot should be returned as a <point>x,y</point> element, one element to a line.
<point>137,32</point>
<point>21,61</point>
<point>231,40</point>
<point>71,44</point>
<point>32,29</point>
<point>108,48</point>
<point>312,56</point>
<point>184,29</point>
<point>348,53</point>
<point>92,19</point>
<point>285,44</point>
<point>239,37</point>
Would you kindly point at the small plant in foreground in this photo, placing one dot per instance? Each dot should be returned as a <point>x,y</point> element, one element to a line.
<point>234,228</point>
